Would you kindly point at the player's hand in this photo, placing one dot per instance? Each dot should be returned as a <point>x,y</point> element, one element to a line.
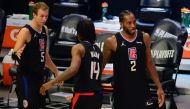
<point>161,96</point>
<point>69,98</point>
<point>45,87</point>
<point>62,82</point>
<point>19,52</point>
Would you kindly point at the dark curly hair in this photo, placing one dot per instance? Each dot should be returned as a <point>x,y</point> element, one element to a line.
<point>86,30</point>
<point>123,14</point>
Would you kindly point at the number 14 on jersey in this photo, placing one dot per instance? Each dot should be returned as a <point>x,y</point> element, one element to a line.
<point>95,70</point>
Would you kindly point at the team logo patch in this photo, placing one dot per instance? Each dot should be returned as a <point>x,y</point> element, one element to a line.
<point>132,53</point>
<point>25,103</point>
<point>41,42</point>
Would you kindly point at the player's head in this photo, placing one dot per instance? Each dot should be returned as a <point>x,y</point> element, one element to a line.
<point>86,31</point>
<point>128,22</point>
<point>40,12</point>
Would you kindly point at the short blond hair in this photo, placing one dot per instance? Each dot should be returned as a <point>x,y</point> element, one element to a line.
<point>39,5</point>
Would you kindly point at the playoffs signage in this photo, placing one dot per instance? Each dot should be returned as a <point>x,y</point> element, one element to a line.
<point>168,39</point>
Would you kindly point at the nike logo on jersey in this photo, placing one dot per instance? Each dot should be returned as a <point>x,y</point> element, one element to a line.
<point>35,35</point>
<point>123,44</point>
<point>138,42</point>
<point>149,103</point>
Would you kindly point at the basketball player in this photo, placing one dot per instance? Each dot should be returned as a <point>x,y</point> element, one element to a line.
<point>130,49</point>
<point>86,67</point>
<point>30,48</point>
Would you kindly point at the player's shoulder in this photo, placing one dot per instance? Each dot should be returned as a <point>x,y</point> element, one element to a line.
<point>79,47</point>
<point>24,30</point>
<point>111,39</point>
<point>145,34</point>
<point>146,37</point>
<point>46,28</point>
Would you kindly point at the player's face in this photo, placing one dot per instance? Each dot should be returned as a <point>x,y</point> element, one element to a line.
<point>41,17</point>
<point>129,24</point>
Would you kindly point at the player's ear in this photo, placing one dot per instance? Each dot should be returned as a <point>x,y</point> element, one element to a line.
<point>121,24</point>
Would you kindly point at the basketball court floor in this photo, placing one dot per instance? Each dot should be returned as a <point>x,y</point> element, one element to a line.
<point>59,101</point>
<point>57,97</point>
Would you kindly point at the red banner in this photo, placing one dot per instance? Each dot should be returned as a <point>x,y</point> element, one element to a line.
<point>186,49</point>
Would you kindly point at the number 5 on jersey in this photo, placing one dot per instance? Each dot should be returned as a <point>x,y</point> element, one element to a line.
<point>95,69</point>
<point>42,56</point>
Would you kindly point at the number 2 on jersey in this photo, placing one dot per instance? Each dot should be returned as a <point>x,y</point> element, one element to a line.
<point>95,69</point>
<point>133,65</point>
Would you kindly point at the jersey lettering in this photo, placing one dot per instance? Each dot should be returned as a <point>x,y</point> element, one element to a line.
<point>42,56</point>
<point>95,69</point>
<point>133,65</point>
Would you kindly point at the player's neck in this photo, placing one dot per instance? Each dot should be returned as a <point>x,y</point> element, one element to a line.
<point>36,26</point>
<point>128,36</point>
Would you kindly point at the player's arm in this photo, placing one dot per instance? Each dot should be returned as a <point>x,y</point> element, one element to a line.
<point>149,63</point>
<point>48,62</point>
<point>108,48</point>
<point>77,53</point>
<point>152,70</point>
<point>22,37</point>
